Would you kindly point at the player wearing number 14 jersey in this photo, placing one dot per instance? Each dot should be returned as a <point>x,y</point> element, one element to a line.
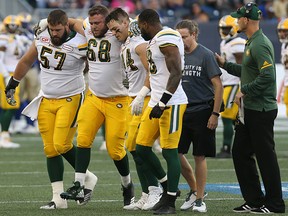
<point>61,53</point>
<point>106,102</point>
<point>133,54</point>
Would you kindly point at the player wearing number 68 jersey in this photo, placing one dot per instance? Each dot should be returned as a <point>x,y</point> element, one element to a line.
<point>61,53</point>
<point>106,101</point>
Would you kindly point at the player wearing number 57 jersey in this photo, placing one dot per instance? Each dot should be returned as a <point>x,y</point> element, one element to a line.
<point>61,53</point>
<point>106,101</point>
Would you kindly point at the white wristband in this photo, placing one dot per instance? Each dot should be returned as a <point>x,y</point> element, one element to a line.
<point>144,91</point>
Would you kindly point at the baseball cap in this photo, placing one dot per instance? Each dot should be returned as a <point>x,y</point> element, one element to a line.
<point>250,10</point>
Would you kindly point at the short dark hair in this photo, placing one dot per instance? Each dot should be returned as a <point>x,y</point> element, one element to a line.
<point>118,15</point>
<point>98,10</point>
<point>191,25</point>
<point>150,16</point>
<point>57,17</point>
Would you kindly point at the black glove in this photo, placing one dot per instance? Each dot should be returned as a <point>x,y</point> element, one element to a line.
<point>10,91</point>
<point>157,111</point>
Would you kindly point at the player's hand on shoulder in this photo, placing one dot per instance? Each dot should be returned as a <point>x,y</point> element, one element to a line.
<point>134,28</point>
<point>40,27</point>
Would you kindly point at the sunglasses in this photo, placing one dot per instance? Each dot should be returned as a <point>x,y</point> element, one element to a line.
<point>248,7</point>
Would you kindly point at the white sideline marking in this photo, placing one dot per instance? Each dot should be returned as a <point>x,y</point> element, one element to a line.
<point>48,185</point>
<point>101,201</point>
<point>106,172</point>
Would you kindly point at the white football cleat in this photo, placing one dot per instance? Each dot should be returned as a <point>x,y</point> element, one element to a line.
<point>59,204</point>
<point>141,202</point>
<point>153,197</point>
<point>90,183</point>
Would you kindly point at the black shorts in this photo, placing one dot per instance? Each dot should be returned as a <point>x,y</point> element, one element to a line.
<point>195,130</point>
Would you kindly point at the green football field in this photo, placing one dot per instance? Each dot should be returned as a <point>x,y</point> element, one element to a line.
<point>25,186</point>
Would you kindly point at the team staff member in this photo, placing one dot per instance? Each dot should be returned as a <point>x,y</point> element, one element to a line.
<point>202,84</point>
<point>61,53</point>
<point>254,135</point>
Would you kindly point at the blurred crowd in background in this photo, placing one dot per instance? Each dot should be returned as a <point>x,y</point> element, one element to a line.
<point>169,10</point>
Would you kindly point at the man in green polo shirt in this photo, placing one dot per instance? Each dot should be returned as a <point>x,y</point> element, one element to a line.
<point>257,111</point>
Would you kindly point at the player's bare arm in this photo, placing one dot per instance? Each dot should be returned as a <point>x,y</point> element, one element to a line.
<point>26,62</point>
<point>76,25</point>
<point>173,62</point>
<point>141,52</point>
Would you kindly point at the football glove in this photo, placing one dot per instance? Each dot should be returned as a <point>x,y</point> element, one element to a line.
<point>10,91</point>
<point>138,102</point>
<point>40,27</point>
<point>157,111</point>
<point>159,108</point>
<point>137,105</point>
<point>134,28</point>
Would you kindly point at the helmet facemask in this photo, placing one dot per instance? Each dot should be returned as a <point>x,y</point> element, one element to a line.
<point>228,27</point>
<point>282,31</point>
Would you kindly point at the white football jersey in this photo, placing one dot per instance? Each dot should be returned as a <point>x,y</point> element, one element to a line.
<point>61,67</point>
<point>284,61</point>
<point>16,46</point>
<point>106,72</point>
<point>159,73</point>
<point>228,49</point>
<point>134,68</point>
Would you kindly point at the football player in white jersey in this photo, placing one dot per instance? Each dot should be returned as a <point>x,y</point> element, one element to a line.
<point>231,48</point>
<point>12,47</point>
<point>30,84</point>
<point>106,101</point>
<point>164,113</point>
<point>133,54</point>
<point>282,30</point>
<point>62,55</point>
